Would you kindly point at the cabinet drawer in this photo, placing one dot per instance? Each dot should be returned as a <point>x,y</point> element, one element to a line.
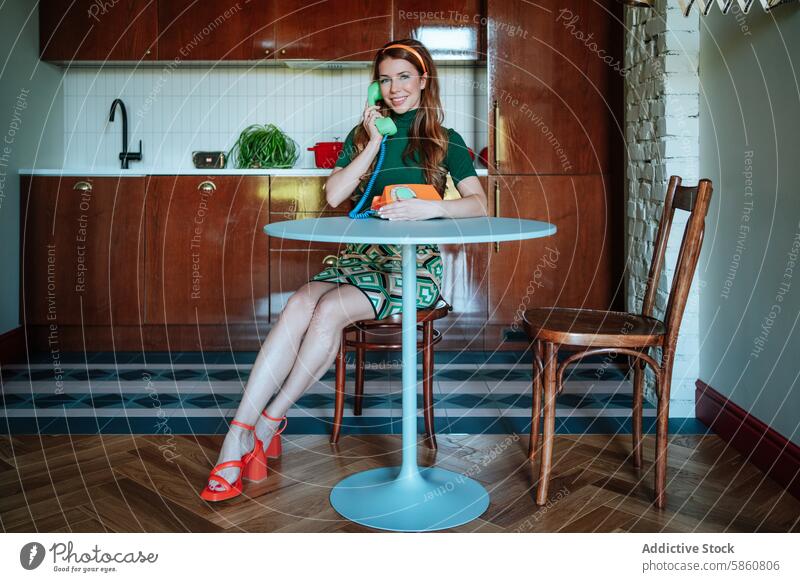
<point>291,198</point>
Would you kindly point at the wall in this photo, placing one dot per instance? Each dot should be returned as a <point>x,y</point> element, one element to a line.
<point>177,110</point>
<point>749,143</point>
<point>31,124</point>
<point>661,134</point>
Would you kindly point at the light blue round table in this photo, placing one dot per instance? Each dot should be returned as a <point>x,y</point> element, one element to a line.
<point>408,498</point>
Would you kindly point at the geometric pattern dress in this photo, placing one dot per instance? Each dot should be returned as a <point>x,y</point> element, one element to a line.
<point>377,270</point>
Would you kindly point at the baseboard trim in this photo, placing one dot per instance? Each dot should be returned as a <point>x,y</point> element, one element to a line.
<point>762,445</point>
<point>12,346</point>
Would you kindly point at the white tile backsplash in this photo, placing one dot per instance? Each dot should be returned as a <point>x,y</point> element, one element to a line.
<point>175,111</point>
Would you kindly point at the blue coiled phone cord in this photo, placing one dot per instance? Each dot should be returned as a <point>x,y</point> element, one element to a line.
<point>367,213</point>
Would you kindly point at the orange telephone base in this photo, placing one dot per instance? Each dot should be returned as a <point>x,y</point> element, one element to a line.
<point>394,192</point>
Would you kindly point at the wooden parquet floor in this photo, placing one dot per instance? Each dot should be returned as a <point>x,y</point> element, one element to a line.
<point>151,484</point>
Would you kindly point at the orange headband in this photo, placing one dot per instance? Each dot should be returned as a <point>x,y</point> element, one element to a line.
<point>412,51</point>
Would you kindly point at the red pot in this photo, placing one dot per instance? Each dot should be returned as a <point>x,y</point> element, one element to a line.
<point>483,156</point>
<point>326,153</point>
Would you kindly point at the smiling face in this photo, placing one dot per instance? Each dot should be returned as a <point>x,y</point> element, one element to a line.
<point>401,84</point>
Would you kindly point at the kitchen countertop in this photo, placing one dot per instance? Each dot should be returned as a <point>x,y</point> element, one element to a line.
<point>134,172</point>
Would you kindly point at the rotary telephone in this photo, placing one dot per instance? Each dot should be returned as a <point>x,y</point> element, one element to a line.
<point>392,192</point>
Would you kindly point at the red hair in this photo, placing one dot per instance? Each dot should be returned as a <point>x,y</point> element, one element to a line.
<point>426,136</point>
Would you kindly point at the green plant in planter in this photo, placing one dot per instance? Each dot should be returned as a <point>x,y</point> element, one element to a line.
<point>264,146</point>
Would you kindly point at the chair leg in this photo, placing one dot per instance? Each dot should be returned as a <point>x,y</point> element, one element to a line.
<point>636,411</point>
<point>549,364</point>
<point>536,412</point>
<point>358,399</point>
<point>338,408</point>
<point>427,383</point>
<point>662,432</point>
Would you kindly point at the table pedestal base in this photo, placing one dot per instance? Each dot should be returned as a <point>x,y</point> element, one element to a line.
<point>428,500</point>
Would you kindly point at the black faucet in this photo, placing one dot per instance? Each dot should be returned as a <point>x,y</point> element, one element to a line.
<point>125,155</point>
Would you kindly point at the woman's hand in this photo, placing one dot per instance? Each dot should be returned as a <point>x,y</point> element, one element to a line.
<point>411,209</point>
<point>371,113</point>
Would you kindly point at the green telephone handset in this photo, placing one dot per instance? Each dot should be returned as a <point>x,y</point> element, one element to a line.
<point>385,125</point>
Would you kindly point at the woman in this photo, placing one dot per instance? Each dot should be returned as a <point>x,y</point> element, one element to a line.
<point>304,342</point>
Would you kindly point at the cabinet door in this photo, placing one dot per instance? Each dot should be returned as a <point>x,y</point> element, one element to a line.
<point>555,86</point>
<point>450,29</point>
<point>291,264</point>
<point>207,250</point>
<point>192,31</point>
<point>465,284</point>
<point>349,30</point>
<point>82,239</point>
<point>292,198</point>
<point>572,268</point>
<point>81,30</point>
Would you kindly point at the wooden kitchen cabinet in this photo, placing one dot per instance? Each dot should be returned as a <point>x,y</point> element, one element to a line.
<point>192,31</point>
<point>88,30</point>
<point>465,285</point>
<point>348,30</point>
<point>573,268</point>
<point>174,262</point>
<point>82,246</point>
<point>555,87</point>
<point>450,29</point>
<point>207,259</point>
<point>291,197</point>
<point>291,264</point>
<point>187,30</point>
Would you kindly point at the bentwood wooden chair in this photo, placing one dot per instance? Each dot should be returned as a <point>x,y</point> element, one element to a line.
<point>603,332</point>
<point>430,337</point>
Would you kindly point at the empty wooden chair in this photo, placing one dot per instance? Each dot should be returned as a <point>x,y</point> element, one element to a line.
<point>601,332</point>
<point>430,337</point>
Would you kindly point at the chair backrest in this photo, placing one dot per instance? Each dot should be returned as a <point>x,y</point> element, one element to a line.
<point>695,200</point>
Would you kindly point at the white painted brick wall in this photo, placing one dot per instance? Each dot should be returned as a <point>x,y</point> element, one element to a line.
<point>662,134</point>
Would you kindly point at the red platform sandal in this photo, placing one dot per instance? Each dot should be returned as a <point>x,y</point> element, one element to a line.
<point>252,467</point>
<point>274,449</point>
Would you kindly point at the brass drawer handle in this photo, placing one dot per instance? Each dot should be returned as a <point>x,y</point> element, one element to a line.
<point>82,186</point>
<point>494,135</point>
<point>497,209</point>
<point>207,186</point>
<point>330,260</point>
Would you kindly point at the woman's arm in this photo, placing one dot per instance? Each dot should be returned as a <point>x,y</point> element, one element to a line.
<point>472,202</point>
<point>342,181</point>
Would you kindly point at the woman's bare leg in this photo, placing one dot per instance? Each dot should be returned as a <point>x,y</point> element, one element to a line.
<point>335,310</point>
<point>280,350</point>
<point>275,359</point>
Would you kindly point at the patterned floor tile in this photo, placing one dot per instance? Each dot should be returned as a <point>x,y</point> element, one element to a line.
<point>198,392</point>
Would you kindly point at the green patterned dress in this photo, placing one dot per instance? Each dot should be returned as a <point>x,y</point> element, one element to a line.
<point>376,269</point>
